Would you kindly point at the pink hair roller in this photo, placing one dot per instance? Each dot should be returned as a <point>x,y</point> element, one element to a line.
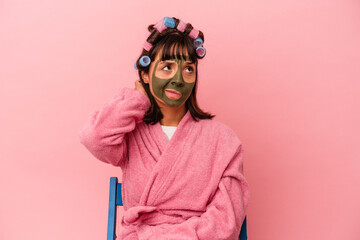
<point>160,26</point>
<point>147,46</point>
<point>181,26</point>
<point>194,33</point>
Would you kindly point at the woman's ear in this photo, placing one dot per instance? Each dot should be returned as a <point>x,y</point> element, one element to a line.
<point>145,76</point>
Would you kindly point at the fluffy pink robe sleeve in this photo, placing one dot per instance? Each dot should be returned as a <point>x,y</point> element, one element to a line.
<point>191,187</point>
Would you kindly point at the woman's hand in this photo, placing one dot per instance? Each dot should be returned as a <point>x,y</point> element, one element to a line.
<point>140,88</point>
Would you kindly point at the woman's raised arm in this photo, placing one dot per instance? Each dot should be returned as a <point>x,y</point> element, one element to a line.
<point>104,132</point>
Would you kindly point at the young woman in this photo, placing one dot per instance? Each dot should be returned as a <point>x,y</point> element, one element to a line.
<point>182,170</point>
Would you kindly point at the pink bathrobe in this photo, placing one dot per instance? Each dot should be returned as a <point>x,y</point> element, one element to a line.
<point>191,187</point>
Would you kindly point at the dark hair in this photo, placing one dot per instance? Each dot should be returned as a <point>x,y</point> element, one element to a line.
<point>171,41</point>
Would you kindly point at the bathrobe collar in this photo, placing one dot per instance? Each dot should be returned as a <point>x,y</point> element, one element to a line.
<point>181,132</point>
<point>170,152</point>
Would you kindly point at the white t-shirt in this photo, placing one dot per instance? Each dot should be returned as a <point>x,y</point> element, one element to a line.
<point>168,130</point>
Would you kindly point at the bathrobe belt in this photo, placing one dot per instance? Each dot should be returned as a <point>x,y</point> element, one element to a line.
<point>149,215</point>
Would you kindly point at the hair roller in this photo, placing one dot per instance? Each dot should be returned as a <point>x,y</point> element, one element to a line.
<point>147,46</point>
<point>194,33</point>
<point>181,26</point>
<point>200,51</point>
<point>198,42</point>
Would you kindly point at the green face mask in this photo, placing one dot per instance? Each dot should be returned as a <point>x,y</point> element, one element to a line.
<point>176,82</point>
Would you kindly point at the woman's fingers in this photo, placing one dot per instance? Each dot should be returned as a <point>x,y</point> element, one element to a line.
<point>139,87</point>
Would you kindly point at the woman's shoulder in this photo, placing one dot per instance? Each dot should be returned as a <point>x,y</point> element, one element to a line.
<point>220,130</point>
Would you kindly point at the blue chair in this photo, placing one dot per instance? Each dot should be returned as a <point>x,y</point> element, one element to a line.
<point>115,200</point>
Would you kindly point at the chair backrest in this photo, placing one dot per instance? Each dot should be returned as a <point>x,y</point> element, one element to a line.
<point>115,200</point>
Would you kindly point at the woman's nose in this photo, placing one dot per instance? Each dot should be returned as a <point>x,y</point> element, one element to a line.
<point>177,79</point>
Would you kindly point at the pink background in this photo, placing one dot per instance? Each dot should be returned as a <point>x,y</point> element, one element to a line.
<point>283,74</point>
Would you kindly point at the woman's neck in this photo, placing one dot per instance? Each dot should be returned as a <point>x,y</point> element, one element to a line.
<point>172,116</point>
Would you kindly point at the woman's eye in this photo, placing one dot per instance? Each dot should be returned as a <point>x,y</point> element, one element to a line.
<point>190,69</point>
<point>167,66</point>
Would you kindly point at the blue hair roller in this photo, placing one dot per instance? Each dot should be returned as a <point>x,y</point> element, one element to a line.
<point>145,61</point>
<point>198,42</point>
<point>169,22</point>
<point>200,51</point>
<point>135,66</point>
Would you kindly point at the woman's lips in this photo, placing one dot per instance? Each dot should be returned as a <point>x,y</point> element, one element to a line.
<point>172,94</point>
